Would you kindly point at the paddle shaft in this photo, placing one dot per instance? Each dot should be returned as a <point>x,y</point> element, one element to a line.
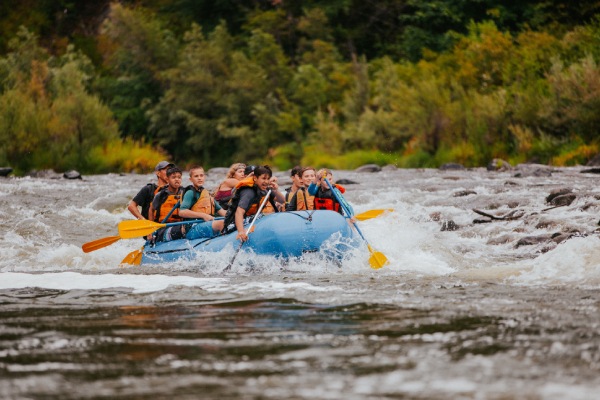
<point>227,268</point>
<point>344,207</point>
<point>377,259</point>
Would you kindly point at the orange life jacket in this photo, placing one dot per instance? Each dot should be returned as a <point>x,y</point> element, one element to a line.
<point>205,203</point>
<point>167,205</point>
<point>304,201</point>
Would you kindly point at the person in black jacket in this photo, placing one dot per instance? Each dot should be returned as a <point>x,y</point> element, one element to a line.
<point>145,196</point>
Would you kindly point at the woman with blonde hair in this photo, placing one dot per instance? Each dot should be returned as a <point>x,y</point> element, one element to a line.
<point>223,192</point>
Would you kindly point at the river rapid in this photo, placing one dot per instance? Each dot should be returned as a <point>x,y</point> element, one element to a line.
<point>507,309</point>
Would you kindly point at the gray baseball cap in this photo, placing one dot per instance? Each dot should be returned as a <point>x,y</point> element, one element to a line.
<point>162,165</point>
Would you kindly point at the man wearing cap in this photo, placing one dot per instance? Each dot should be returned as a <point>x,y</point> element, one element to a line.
<point>146,194</point>
<point>249,170</point>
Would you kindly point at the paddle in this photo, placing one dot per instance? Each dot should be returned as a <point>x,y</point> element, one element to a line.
<point>143,227</point>
<point>99,243</point>
<point>372,214</point>
<point>133,258</point>
<point>377,259</point>
<point>227,268</point>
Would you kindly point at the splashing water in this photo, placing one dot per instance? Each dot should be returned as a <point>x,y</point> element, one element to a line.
<point>481,311</point>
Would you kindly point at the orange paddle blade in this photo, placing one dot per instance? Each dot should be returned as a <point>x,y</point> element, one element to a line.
<point>99,243</point>
<point>133,258</point>
<point>377,259</point>
<point>372,214</point>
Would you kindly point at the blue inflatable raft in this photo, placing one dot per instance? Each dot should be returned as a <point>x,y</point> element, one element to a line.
<point>285,235</point>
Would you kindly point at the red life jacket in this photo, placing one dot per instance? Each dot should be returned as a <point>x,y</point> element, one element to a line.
<point>324,199</point>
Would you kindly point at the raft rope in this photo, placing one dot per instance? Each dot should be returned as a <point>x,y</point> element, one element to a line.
<point>309,213</point>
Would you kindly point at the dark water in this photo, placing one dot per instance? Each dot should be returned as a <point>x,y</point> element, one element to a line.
<point>449,341</point>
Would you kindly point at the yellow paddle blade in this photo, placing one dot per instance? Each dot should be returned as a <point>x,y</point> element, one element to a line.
<point>372,214</point>
<point>99,243</point>
<point>133,258</point>
<point>377,259</point>
<point>137,228</point>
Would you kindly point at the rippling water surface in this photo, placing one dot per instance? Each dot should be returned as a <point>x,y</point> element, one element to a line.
<point>506,309</point>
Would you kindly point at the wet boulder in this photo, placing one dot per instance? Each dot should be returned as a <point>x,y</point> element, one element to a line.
<point>45,174</point>
<point>546,223</point>
<point>435,216</point>
<point>563,200</point>
<point>503,239</point>
<point>557,192</point>
<point>389,168</point>
<point>498,164</point>
<point>4,171</point>
<point>451,167</point>
<point>72,174</point>
<point>532,240</point>
<point>449,225</point>
<point>590,171</point>
<point>463,193</point>
<point>346,182</point>
<point>526,170</point>
<point>368,168</point>
<point>594,161</point>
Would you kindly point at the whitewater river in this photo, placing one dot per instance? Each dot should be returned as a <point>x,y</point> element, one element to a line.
<point>480,312</point>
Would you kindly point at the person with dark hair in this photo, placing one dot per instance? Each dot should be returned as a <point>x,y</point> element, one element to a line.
<point>145,196</point>
<point>302,200</point>
<point>163,204</point>
<point>296,184</point>
<point>249,170</point>
<point>248,195</point>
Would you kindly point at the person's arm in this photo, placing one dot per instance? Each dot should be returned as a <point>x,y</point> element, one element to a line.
<point>279,197</point>
<point>229,183</point>
<point>219,210</point>
<point>339,189</point>
<point>239,224</point>
<point>312,189</point>
<point>134,210</point>
<point>135,202</point>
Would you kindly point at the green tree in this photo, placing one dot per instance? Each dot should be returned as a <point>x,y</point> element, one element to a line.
<point>137,49</point>
<point>48,118</point>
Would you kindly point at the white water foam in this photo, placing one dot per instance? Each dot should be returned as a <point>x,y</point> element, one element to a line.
<point>576,261</point>
<point>74,280</point>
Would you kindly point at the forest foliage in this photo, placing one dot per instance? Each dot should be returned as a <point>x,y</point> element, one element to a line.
<point>117,86</point>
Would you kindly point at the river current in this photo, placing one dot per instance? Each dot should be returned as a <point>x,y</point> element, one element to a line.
<point>469,307</point>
